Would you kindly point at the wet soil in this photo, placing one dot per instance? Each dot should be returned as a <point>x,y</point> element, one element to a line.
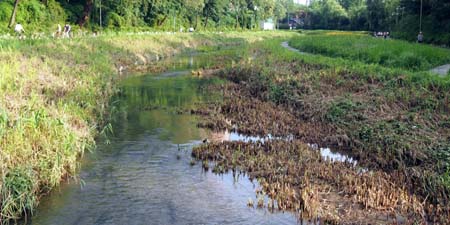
<point>295,176</point>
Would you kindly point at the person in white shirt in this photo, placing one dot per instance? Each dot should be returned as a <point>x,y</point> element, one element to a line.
<point>19,30</point>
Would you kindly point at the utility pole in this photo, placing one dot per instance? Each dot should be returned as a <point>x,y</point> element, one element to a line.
<point>421,11</point>
<point>100,9</point>
<point>174,22</point>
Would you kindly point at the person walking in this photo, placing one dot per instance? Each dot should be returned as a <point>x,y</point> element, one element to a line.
<point>420,37</point>
<point>19,31</point>
<point>67,29</point>
<point>58,31</point>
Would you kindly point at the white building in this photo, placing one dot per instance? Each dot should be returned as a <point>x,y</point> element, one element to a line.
<point>267,24</point>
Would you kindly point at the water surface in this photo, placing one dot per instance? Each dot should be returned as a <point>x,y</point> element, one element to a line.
<point>144,175</point>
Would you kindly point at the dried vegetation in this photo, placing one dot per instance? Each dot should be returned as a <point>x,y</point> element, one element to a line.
<point>393,125</point>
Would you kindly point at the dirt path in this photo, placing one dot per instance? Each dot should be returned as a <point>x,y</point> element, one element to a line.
<point>285,44</point>
<point>441,70</point>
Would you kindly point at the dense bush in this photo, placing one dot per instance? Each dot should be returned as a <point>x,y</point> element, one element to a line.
<point>33,15</point>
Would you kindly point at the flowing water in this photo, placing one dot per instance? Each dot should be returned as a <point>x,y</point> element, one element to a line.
<point>144,176</point>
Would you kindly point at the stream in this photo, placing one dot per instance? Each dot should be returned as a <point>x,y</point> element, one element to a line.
<point>143,174</point>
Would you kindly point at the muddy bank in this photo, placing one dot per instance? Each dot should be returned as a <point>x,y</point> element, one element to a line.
<point>398,187</point>
<point>296,177</point>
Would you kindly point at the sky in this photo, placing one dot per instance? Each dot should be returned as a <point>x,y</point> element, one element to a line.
<point>300,1</point>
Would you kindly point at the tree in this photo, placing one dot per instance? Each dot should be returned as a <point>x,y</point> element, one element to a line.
<point>357,13</point>
<point>193,9</point>
<point>327,14</point>
<point>280,10</point>
<point>212,9</point>
<point>86,13</point>
<point>12,21</point>
<point>376,14</point>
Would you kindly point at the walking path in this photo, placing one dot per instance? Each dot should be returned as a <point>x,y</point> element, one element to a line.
<point>441,70</point>
<point>285,44</point>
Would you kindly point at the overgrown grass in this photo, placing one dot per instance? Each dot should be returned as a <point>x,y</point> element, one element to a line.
<point>55,96</point>
<point>366,49</point>
<point>389,118</point>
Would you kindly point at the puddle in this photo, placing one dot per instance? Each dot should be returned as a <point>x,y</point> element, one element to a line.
<point>326,153</point>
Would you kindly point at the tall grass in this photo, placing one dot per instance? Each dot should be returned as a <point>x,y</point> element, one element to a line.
<point>55,96</point>
<point>366,49</point>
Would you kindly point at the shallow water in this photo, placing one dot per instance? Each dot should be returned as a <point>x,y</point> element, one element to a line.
<point>326,153</point>
<point>144,175</point>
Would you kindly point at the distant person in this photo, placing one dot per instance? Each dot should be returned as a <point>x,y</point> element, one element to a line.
<point>67,29</point>
<point>58,32</point>
<point>19,30</point>
<point>420,37</point>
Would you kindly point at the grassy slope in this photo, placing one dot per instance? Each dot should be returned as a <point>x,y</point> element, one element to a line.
<point>389,118</point>
<point>54,101</point>
<point>363,48</point>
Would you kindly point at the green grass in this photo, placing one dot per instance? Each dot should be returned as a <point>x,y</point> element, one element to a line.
<point>55,96</point>
<point>366,49</point>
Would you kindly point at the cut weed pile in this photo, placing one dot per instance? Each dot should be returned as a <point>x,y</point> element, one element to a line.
<point>394,122</point>
<point>55,100</point>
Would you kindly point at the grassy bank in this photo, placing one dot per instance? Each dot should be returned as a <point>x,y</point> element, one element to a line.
<point>364,48</point>
<point>55,102</point>
<point>393,120</point>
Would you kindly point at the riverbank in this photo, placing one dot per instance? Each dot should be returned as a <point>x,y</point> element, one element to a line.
<point>392,121</point>
<point>56,101</point>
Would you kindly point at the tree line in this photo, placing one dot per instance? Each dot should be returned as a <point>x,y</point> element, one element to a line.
<point>132,14</point>
<point>400,17</point>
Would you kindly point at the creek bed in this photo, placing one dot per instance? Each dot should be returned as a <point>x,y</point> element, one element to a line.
<point>144,176</point>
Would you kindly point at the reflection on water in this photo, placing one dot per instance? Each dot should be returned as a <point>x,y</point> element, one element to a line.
<point>144,176</point>
<point>326,153</point>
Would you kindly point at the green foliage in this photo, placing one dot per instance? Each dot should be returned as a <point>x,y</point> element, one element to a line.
<point>114,20</point>
<point>400,17</point>
<point>6,9</point>
<point>328,14</point>
<point>15,192</point>
<point>339,110</point>
<point>42,16</point>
